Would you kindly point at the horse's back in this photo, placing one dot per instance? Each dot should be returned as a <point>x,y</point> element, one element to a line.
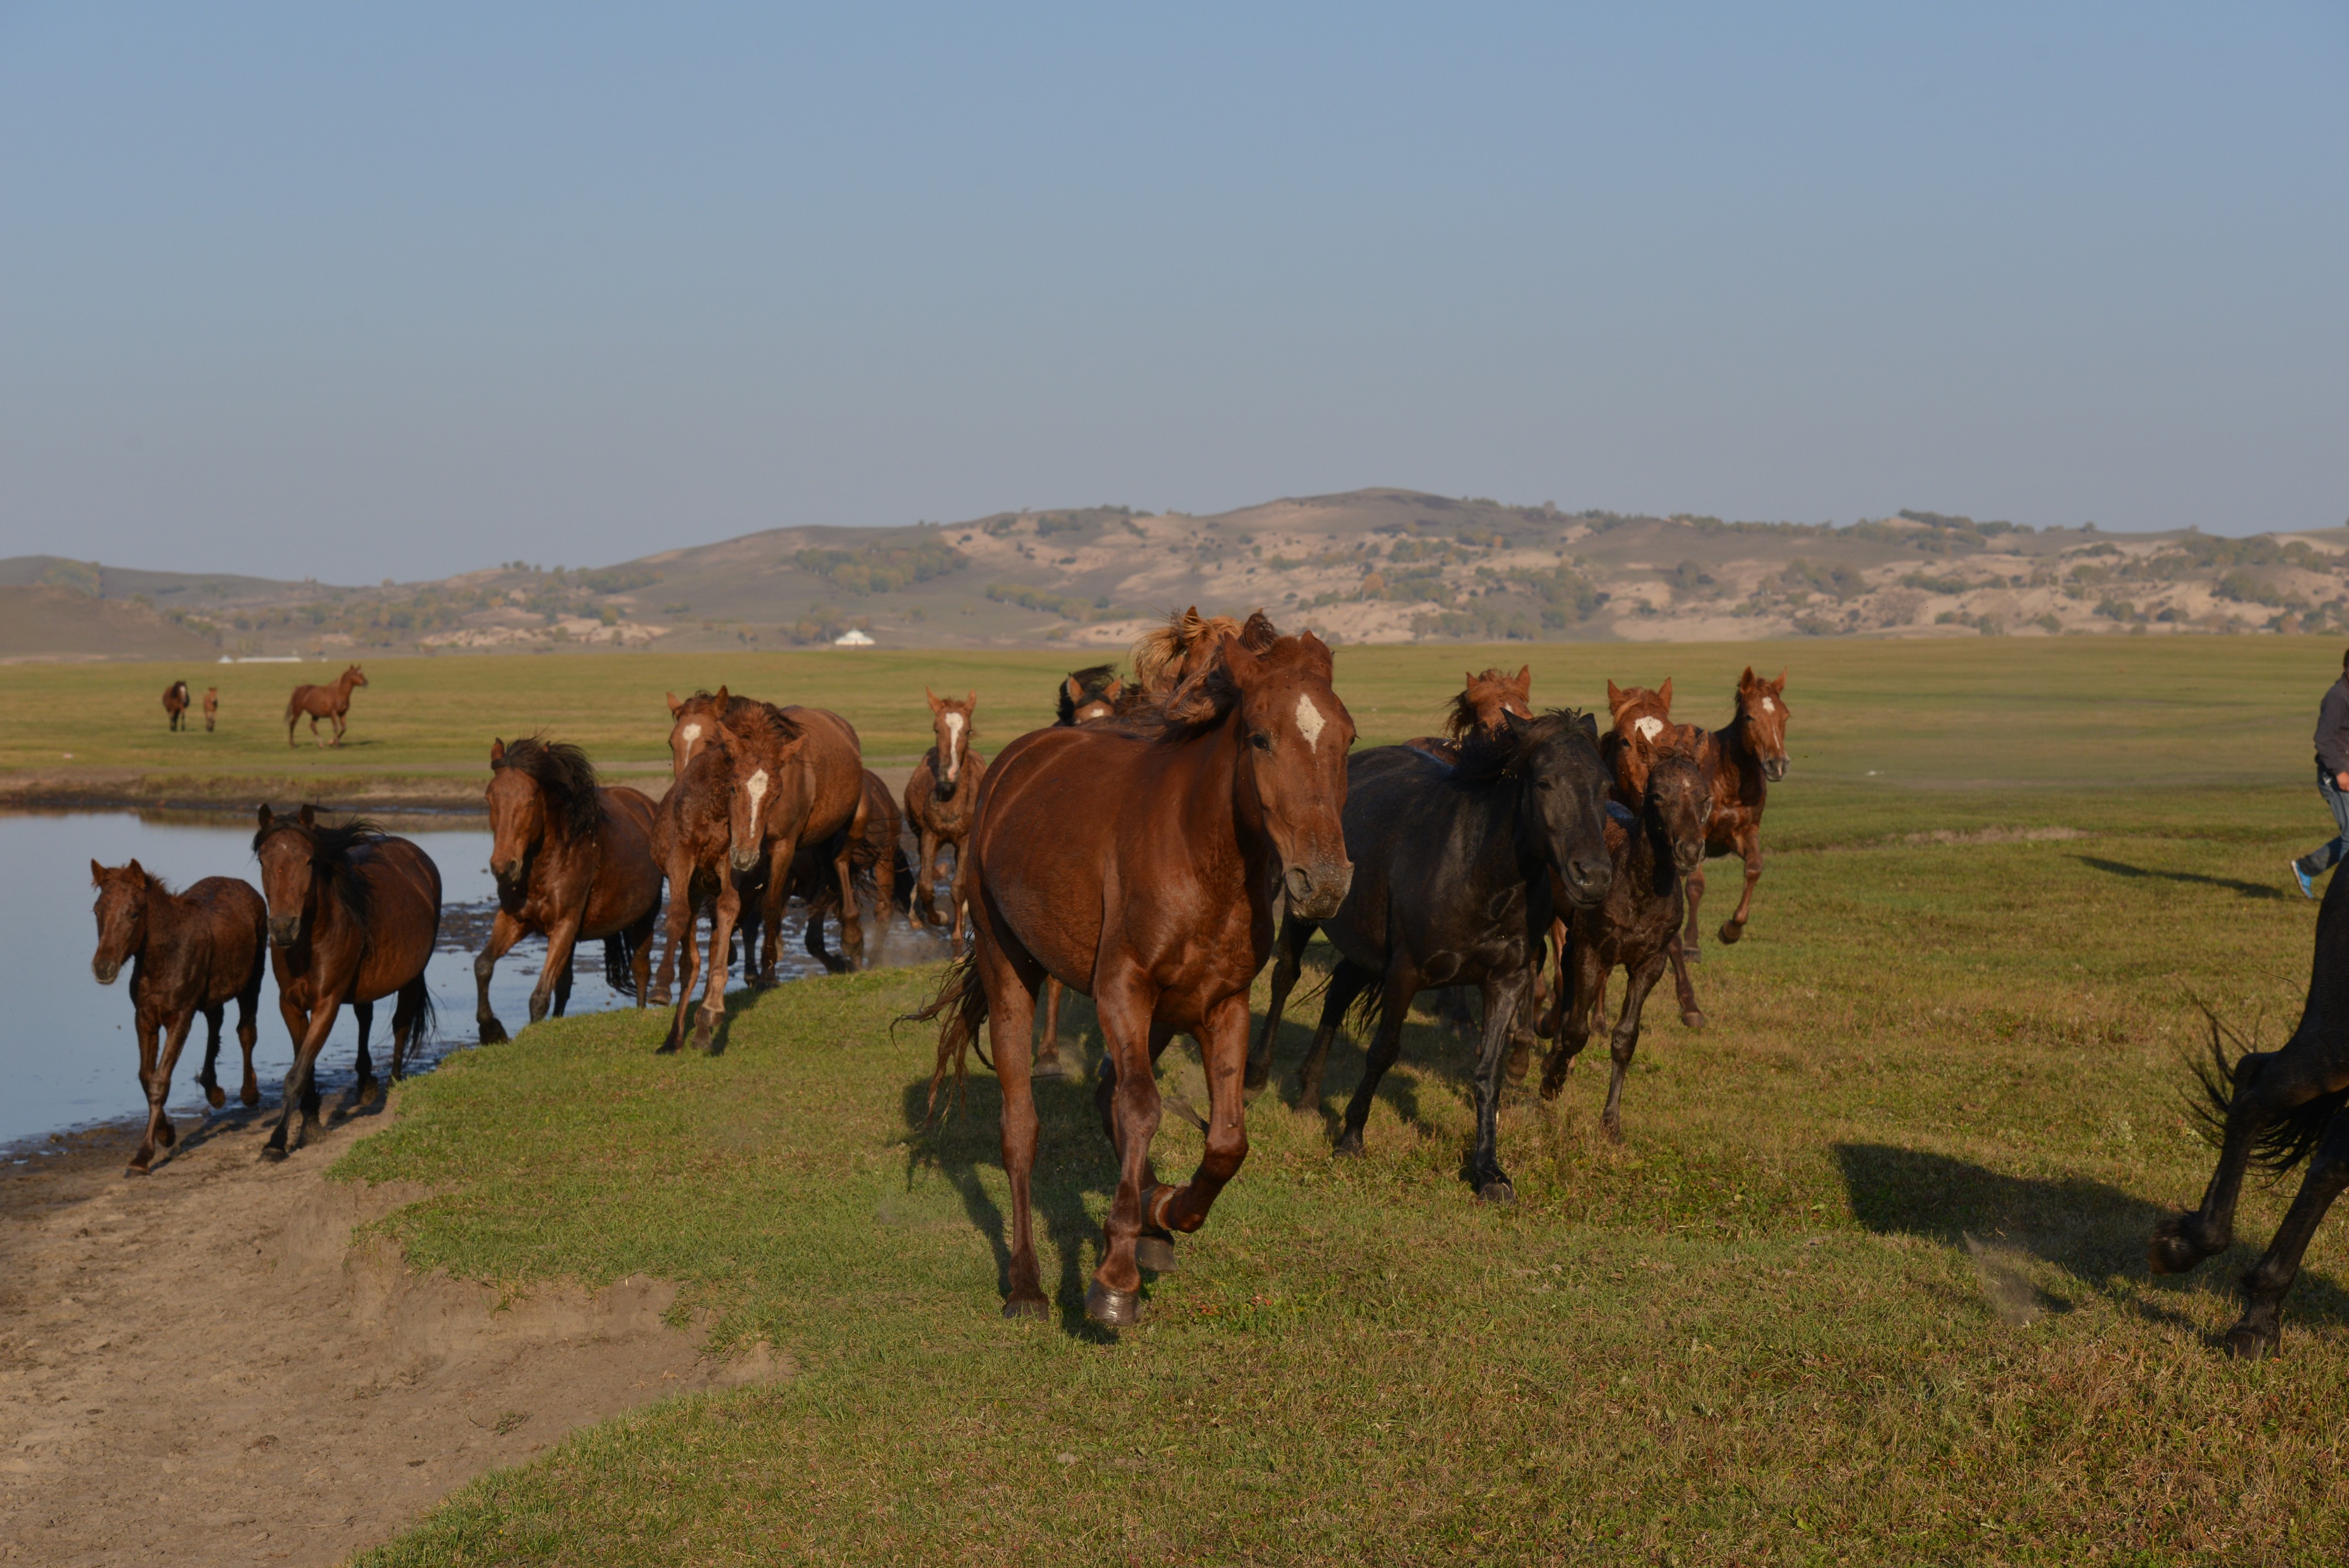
<point>236,918</point>
<point>406,887</point>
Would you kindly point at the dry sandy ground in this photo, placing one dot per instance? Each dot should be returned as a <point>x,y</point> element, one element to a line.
<point>198,1367</point>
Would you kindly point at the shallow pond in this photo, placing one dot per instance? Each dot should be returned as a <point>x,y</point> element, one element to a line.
<point>67,1056</point>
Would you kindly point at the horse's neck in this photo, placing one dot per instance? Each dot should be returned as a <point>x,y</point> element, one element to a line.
<point>1647,857</point>
<point>1206,770</point>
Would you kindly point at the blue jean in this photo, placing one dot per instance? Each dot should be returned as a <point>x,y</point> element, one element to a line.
<point>2324,856</point>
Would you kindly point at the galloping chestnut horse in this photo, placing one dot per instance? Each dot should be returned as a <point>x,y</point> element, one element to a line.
<point>2277,1109</point>
<point>941,799</point>
<point>316,703</point>
<point>573,861</point>
<point>176,703</point>
<point>1635,924</point>
<point>692,833</point>
<point>1744,757</point>
<point>877,867</point>
<point>1643,715</point>
<point>353,914</point>
<point>1454,872</point>
<point>1144,864</point>
<point>212,707</point>
<point>1478,710</point>
<point>188,952</point>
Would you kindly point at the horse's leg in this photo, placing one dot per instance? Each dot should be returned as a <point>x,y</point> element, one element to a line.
<point>885,890</point>
<point>1521,1026</point>
<point>407,1022</point>
<point>1583,976</point>
<point>843,871</point>
<point>1224,1053</point>
<point>2268,1084</point>
<point>363,1091</point>
<point>640,954</point>
<point>504,932</point>
<point>1691,942</point>
<point>713,1002</point>
<point>1561,953</point>
<point>1010,1023</point>
<point>151,1029</point>
<point>1637,983</point>
<point>554,975</point>
<point>209,1077</point>
<point>1047,1054</point>
<point>1287,961</point>
<point>925,906</point>
<point>1504,997</point>
<point>1749,845</point>
<point>301,1083</point>
<point>248,1034</point>
<point>1680,953</point>
<point>1347,982</point>
<point>563,981</point>
<point>1124,1004</point>
<point>772,898</point>
<point>684,919</point>
<point>1394,1006</point>
<point>293,722</point>
<point>2256,1334</point>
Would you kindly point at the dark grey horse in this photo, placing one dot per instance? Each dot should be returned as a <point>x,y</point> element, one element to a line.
<point>1452,887</point>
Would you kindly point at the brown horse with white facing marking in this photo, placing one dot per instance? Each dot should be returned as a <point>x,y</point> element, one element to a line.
<point>1481,709</point>
<point>353,914</point>
<point>941,799</point>
<point>1745,757</point>
<point>315,703</point>
<point>574,862</point>
<point>176,703</point>
<point>188,952</point>
<point>1144,865</point>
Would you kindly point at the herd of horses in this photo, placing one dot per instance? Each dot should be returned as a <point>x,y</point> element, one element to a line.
<point>1154,850</point>
<point>331,703</point>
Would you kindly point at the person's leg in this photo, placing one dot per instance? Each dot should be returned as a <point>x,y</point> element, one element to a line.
<point>2324,856</point>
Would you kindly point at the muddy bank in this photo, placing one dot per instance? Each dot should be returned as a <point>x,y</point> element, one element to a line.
<point>197,1368</point>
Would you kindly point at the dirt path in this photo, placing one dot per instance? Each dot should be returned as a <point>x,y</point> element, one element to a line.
<point>198,1368</point>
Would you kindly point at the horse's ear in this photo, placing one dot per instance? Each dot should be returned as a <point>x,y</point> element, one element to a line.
<point>1779,685</point>
<point>1076,692</point>
<point>1614,697</point>
<point>267,816</point>
<point>1518,727</point>
<point>932,698</point>
<point>1665,692</point>
<point>1467,678</point>
<point>308,815</point>
<point>1525,677</point>
<point>673,704</point>
<point>497,752</point>
<point>1115,688</point>
<point>1746,681</point>
<point>1588,725</point>
<point>136,869</point>
<point>971,702</point>
<point>723,698</point>
<point>97,873</point>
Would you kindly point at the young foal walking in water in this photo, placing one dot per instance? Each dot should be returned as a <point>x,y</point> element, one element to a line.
<point>1160,904</point>
<point>190,952</point>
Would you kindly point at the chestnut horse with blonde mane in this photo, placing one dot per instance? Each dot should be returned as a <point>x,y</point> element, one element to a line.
<point>1479,710</point>
<point>1144,864</point>
<point>315,703</point>
<point>941,799</point>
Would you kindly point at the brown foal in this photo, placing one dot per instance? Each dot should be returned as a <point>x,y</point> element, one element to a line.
<point>941,799</point>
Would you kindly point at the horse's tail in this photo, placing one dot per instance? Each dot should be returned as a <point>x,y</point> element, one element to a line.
<point>620,963</point>
<point>2284,1143</point>
<point>961,1001</point>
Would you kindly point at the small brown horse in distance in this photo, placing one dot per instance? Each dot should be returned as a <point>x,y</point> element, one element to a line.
<point>804,788</point>
<point>188,952</point>
<point>941,799</point>
<point>176,703</point>
<point>212,707</point>
<point>1144,864</point>
<point>1744,756</point>
<point>574,862</point>
<point>353,915</point>
<point>316,703</point>
<point>1478,710</point>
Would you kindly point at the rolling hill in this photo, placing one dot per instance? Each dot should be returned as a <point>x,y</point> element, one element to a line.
<point>1368,565</point>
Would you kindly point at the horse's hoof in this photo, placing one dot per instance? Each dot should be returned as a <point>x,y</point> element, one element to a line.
<point>215,1096</point>
<point>1349,1146</point>
<point>247,1097</point>
<point>1019,1307</point>
<point>657,997</point>
<point>1728,935</point>
<point>2169,1252</point>
<point>138,1165</point>
<point>275,1153</point>
<point>1520,1063</point>
<point>493,1032</point>
<point>1497,1190</point>
<point>366,1093</point>
<point>1691,953</point>
<point>2247,1344</point>
<point>1113,1309</point>
<point>1614,1132</point>
<point>1693,1018</point>
<point>1155,1253</point>
<point>1050,1066</point>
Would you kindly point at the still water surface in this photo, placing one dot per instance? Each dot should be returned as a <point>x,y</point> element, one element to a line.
<point>68,1054</point>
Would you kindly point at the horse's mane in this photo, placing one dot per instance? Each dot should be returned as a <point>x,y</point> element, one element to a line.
<point>330,857</point>
<point>1202,699</point>
<point>740,714</point>
<point>1092,680</point>
<point>1158,657</point>
<point>1488,755</point>
<point>567,775</point>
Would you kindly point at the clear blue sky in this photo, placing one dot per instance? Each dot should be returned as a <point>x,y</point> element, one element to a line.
<point>399,290</point>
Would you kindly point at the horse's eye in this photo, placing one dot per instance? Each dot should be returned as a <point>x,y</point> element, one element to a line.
<point>1260,741</point>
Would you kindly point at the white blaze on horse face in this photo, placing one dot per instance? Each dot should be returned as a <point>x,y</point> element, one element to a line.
<point>690,734</point>
<point>954,745</point>
<point>755,786</point>
<point>1768,706</point>
<point>1648,728</point>
<point>1309,722</point>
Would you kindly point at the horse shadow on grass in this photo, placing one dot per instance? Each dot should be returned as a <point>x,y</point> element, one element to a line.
<point>1428,1048</point>
<point>2096,1232</point>
<point>2160,874</point>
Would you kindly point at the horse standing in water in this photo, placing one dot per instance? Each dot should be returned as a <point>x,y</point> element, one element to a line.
<point>212,707</point>
<point>877,867</point>
<point>353,915</point>
<point>2278,1110</point>
<point>1453,868</point>
<point>1744,757</point>
<point>574,862</point>
<point>941,798</point>
<point>316,703</point>
<point>1636,924</point>
<point>1144,864</point>
<point>176,703</point>
<point>692,832</point>
<point>188,952</point>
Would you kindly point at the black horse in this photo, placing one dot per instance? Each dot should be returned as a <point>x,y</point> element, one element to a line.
<point>1452,867</point>
<point>1637,923</point>
<point>2276,1109</point>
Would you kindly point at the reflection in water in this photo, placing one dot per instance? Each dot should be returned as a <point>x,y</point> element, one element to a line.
<point>67,1056</point>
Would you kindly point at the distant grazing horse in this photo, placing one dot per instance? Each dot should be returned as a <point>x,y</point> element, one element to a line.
<point>1454,868</point>
<point>190,952</point>
<point>176,703</point>
<point>807,789</point>
<point>316,703</point>
<point>1744,757</point>
<point>877,869</point>
<point>1144,864</point>
<point>353,915</point>
<point>692,835</point>
<point>2277,1109</point>
<point>1483,700</point>
<point>212,707</point>
<point>1635,924</point>
<point>941,799</point>
<point>573,861</point>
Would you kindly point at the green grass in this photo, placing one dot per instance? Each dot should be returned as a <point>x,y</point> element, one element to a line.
<point>1865,1285</point>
